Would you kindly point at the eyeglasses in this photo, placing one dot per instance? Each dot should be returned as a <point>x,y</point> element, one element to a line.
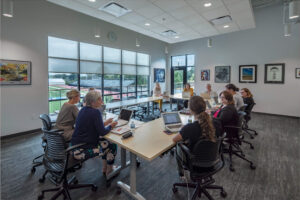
<point>222,97</point>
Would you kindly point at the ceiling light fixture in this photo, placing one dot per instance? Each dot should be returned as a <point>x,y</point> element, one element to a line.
<point>226,26</point>
<point>209,42</point>
<point>147,24</point>
<point>97,36</point>
<point>176,37</point>
<point>287,30</point>
<point>207,4</point>
<point>8,8</point>
<point>137,43</point>
<point>294,9</point>
<point>92,0</point>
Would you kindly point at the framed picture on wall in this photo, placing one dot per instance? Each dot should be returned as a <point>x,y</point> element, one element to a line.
<point>13,72</point>
<point>222,74</point>
<point>159,75</point>
<point>297,72</point>
<point>247,73</point>
<point>274,73</point>
<point>205,75</point>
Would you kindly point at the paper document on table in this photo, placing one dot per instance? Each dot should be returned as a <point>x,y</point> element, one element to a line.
<point>121,130</point>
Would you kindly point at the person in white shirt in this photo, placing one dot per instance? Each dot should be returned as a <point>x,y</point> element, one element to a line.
<point>158,93</point>
<point>238,100</point>
<point>210,92</point>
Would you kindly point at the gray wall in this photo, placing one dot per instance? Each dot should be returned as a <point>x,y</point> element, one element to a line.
<point>24,37</point>
<point>262,45</point>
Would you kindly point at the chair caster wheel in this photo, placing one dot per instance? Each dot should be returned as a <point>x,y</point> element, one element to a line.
<point>40,197</point>
<point>223,194</point>
<point>251,137</point>
<point>231,169</point>
<point>138,163</point>
<point>252,167</point>
<point>33,170</point>
<point>174,189</point>
<point>251,147</point>
<point>255,133</point>
<point>94,188</point>
<point>42,180</point>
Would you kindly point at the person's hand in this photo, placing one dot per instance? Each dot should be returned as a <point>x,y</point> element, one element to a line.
<point>108,121</point>
<point>113,124</point>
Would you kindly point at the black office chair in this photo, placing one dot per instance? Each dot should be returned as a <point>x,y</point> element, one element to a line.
<point>202,166</point>
<point>247,118</point>
<point>58,162</point>
<point>234,139</point>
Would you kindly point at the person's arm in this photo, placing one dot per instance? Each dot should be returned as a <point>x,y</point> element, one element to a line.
<point>182,135</point>
<point>225,115</point>
<point>75,112</point>
<point>177,138</point>
<point>99,125</point>
<point>192,91</point>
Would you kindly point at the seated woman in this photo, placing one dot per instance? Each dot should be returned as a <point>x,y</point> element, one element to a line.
<point>90,129</point>
<point>201,128</point>
<point>187,88</point>
<point>247,97</point>
<point>67,115</point>
<point>157,93</point>
<point>227,113</point>
<point>238,100</point>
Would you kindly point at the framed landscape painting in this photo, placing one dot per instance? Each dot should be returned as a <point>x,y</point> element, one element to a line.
<point>13,72</point>
<point>159,75</point>
<point>274,73</point>
<point>247,73</point>
<point>222,74</point>
<point>205,75</point>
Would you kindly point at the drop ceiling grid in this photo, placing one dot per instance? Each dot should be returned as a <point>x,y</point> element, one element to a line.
<point>189,18</point>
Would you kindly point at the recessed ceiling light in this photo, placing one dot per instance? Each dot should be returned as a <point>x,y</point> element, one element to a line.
<point>147,24</point>
<point>97,36</point>
<point>226,26</point>
<point>92,0</point>
<point>176,37</point>
<point>207,4</point>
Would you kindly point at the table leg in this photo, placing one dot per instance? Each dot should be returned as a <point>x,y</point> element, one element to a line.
<point>148,108</point>
<point>131,190</point>
<point>124,164</point>
<point>152,107</point>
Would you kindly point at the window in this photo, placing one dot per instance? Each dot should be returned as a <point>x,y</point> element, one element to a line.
<point>79,65</point>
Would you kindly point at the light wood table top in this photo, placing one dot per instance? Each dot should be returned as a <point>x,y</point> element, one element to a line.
<point>131,102</point>
<point>178,96</point>
<point>148,141</point>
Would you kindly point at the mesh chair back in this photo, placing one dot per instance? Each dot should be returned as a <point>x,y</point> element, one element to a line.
<point>248,110</point>
<point>206,153</point>
<point>55,156</point>
<point>46,122</point>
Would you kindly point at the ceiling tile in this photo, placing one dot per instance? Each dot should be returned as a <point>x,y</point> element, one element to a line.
<point>215,13</point>
<point>239,7</point>
<point>168,5</point>
<point>132,17</point>
<point>150,11</point>
<point>133,4</point>
<point>164,19</point>
<point>199,4</point>
<point>182,12</point>
<point>194,19</point>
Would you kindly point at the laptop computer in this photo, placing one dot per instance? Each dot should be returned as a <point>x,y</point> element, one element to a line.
<point>172,121</point>
<point>124,117</point>
<point>205,96</point>
<point>186,94</point>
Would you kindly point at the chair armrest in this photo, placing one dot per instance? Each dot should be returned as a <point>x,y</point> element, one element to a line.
<point>185,149</point>
<point>237,127</point>
<point>74,147</point>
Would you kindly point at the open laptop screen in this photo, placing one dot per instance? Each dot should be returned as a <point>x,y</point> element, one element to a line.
<point>171,118</point>
<point>125,114</point>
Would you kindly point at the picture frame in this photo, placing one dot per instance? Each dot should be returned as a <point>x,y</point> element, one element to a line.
<point>14,72</point>
<point>205,75</point>
<point>222,74</point>
<point>248,73</point>
<point>159,75</point>
<point>297,72</point>
<point>274,73</point>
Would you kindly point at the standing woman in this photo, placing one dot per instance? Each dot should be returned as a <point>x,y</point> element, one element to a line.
<point>67,115</point>
<point>201,128</point>
<point>157,93</point>
<point>247,97</point>
<point>238,100</point>
<point>187,88</point>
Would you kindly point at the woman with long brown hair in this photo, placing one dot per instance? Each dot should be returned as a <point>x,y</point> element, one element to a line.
<point>247,97</point>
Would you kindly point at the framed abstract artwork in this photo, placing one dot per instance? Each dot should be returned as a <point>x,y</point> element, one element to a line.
<point>274,73</point>
<point>159,75</point>
<point>222,74</point>
<point>247,73</point>
<point>297,72</point>
<point>205,75</point>
<point>13,72</point>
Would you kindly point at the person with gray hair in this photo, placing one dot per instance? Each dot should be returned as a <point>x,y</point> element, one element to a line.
<point>90,129</point>
<point>67,114</point>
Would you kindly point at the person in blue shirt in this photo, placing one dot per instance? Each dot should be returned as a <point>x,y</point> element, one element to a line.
<point>90,129</point>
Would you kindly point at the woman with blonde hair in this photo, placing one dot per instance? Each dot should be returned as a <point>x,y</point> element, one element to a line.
<point>201,128</point>
<point>68,113</point>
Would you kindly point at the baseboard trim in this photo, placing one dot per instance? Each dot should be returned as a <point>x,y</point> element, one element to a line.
<point>20,134</point>
<point>278,115</point>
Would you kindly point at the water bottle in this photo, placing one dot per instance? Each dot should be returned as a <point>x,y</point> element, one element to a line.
<point>132,125</point>
<point>190,120</point>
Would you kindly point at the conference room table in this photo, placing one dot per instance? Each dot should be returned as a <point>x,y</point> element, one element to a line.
<point>177,97</point>
<point>148,142</point>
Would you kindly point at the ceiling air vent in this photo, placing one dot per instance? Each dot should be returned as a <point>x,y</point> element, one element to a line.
<point>169,33</point>
<point>221,20</point>
<point>114,9</point>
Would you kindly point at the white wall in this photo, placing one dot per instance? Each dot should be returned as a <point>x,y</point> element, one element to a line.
<point>24,37</point>
<point>262,45</point>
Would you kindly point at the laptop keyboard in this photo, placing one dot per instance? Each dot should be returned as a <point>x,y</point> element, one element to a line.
<point>174,126</point>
